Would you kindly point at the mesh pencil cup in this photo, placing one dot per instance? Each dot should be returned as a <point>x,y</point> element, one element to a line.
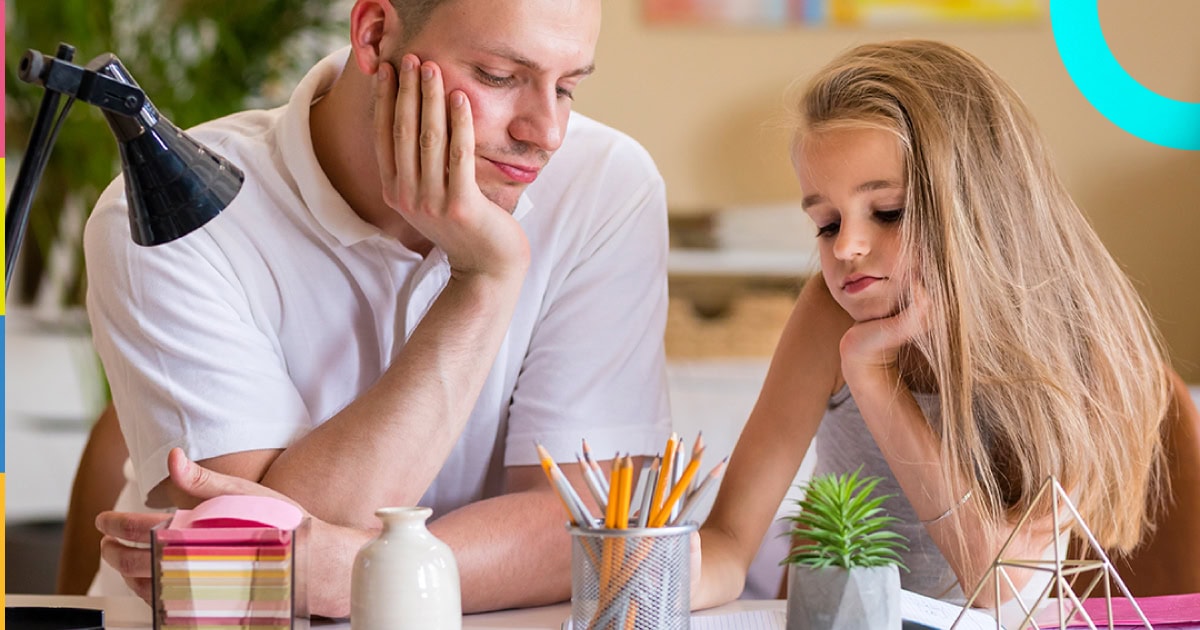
<point>625,579</point>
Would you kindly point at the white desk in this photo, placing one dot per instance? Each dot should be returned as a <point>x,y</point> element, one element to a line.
<point>130,612</point>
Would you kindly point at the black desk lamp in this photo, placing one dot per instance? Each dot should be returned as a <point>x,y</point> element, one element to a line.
<point>173,183</point>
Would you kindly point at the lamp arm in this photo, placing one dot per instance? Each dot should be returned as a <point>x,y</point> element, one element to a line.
<point>89,84</point>
<point>174,185</point>
<point>59,77</point>
<point>29,174</point>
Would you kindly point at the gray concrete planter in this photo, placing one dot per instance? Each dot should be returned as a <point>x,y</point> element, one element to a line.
<point>837,599</point>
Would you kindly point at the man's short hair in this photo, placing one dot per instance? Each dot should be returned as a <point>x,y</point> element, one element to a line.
<point>414,14</point>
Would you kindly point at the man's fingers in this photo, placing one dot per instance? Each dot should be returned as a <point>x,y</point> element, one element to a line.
<point>192,483</point>
<point>128,526</point>
<point>462,146</point>
<point>433,132</point>
<point>130,562</point>
<point>406,128</point>
<point>142,587</point>
<point>385,106</point>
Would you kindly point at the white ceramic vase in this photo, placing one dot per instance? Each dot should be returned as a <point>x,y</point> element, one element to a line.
<point>840,599</point>
<point>405,579</point>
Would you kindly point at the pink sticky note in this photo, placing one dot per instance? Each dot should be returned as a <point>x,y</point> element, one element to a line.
<point>239,511</point>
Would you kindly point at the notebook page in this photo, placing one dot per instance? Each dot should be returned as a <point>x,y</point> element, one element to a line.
<point>918,612</point>
<point>935,613</point>
<point>745,620</point>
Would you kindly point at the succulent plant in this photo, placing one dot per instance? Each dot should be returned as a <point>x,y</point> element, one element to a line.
<point>839,524</point>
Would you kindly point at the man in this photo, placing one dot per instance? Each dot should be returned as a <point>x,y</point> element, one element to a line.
<point>406,293</point>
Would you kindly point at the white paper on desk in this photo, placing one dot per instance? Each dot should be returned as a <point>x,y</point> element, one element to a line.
<point>744,620</point>
<point>741,620</point>
<point>927,611</point>
<point>936,613</point>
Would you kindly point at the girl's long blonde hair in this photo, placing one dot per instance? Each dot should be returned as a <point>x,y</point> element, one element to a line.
<point>1045,359</point>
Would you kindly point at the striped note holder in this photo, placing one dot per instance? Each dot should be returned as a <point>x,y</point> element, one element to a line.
<point>233,562</point>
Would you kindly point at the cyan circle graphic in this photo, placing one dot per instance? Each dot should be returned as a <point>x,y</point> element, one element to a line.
<point>1110,89</point>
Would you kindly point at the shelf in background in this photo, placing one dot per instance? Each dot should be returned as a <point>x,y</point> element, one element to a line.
<point>739,263</point>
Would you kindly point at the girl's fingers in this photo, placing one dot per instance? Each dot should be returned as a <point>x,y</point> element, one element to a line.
<point>914,319</point>
<point>433,132</point>
<point>462,147</point>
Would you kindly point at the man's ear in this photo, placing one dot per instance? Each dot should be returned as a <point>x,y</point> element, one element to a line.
<point>373,27</point>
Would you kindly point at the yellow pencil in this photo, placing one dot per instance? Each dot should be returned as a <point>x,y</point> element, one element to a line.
<point>697,447</point>
<point>544,458</point>
<point>631,616</point>
<point>664,476</point>
<point>608,548</point>
<point>660,517</point>
<point>626,493</point>
<point>614,491</point>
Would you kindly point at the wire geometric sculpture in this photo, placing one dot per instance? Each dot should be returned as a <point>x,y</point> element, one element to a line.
<point>1060,568</point>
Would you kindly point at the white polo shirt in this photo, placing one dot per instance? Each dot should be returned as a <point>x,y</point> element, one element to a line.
<point>282,310</point>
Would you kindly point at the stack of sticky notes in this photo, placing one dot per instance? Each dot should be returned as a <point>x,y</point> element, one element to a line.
<point>227,564</point>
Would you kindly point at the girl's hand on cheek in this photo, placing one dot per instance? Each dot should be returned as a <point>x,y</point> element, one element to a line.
<point>871,347</point>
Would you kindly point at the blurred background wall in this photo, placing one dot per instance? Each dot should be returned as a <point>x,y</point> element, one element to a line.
<point>707,100</point>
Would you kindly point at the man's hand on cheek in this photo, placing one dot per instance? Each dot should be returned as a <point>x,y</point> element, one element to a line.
<point>425,145</point>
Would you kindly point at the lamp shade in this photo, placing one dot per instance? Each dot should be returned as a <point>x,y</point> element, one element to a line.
<point>173,183</point>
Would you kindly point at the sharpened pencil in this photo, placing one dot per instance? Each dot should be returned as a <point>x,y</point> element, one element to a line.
<point>614,499</point>
<point>589,479</point>
<point>681,463</point>
<point>647,493</point>
<point>660,517</point>
<point>695,498</point>
<point>626,493</point>
<point>664,476</point>
<point>580,516</point>
<point>697,446</point>
<point>587,456</point>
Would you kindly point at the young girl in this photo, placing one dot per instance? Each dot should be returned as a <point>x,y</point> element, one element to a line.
<point>968,337</point>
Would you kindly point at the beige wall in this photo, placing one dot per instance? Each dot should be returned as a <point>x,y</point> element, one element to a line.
<point>701,100</point>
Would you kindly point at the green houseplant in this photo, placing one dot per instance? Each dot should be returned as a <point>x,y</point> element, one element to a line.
<point>195,59</point>
<point>843,569</point>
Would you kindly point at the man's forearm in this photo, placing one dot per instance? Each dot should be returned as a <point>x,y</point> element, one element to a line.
<point>512,550</point>
<point>387,446</point>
